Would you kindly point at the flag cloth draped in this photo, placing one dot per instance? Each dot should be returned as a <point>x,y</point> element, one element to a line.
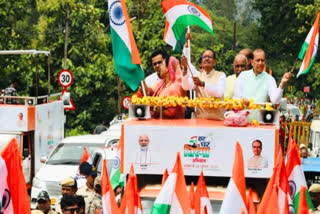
<point>296,176</point>
<point>125,52</point>
<point>173,197</point>
<point>109,203</point>
<point>191,197</point>
<point>13,190</point>
<point>164,176</point>
<point>309,48</point>
<point>201,199</point>
<point>250,205</point>
<point>276,197</point>
<point>180,14</point>
<point>235,197</point>
<point>115,175</point>
<point>131,202</point>
<point>303,205</point>
<point>85,156</point>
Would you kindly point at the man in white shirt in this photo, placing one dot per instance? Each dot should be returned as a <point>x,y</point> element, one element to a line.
<point>143,154</point>
<point>208,83</point>
<point>257,160</point>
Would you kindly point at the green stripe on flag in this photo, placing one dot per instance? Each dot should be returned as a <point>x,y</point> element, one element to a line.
<point>296,201</point>
<point>303,50</point>
<point>184,21</point>
<point>130,73</point>
<point>160,209</point>
<point>309,67</point>
<point>181,41</point>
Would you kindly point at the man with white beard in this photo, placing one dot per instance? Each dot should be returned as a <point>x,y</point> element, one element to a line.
<point>143,154</point>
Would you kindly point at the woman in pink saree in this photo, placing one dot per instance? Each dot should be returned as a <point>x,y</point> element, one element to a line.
<point>170,85</point>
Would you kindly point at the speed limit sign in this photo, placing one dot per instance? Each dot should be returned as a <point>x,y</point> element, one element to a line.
<point>126,102</point>
<point>65,78</point>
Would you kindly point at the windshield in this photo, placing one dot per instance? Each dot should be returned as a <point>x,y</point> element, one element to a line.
<point>71,153</point>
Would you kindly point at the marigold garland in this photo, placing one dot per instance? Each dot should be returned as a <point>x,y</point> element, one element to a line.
<point>172,101</point>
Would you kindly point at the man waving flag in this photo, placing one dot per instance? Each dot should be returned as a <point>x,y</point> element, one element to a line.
<point>125,52</point>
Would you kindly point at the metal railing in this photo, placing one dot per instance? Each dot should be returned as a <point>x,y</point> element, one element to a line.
<point>300,131</point>
<point>25,100</point>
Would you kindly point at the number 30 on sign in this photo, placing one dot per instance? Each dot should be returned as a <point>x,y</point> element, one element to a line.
<point>65,78</point>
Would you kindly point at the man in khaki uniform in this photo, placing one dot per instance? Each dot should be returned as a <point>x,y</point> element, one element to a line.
<point>96,201</point>
<point>314,192</point>
<point>208,83</point>
<point>257,160</point>
<point>68,187</point>
<point>87,190</point>
<point>44,203</point>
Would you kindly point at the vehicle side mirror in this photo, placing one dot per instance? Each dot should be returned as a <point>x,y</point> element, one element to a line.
<point>43,159</point>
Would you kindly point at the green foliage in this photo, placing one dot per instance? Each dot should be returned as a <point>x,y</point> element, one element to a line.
<point>40,24</point>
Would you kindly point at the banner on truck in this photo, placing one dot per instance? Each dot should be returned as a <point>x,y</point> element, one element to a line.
<point>152,148</point>
<point>49,130</point>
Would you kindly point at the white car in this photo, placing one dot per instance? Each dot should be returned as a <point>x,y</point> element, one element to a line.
<point>64,160</point>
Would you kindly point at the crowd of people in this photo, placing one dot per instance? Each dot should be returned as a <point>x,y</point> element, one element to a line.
<point>249,81</point>
<point>84,200</point>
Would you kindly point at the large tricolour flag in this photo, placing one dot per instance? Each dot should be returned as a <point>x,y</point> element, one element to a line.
<point>296,177</point>
<point>180,14</point>
<point>125,52</point>
<point>109,204</point>
<point>309,48</point>
<point>235,198</point>
<point>173,197</point>
<point>14,197</point>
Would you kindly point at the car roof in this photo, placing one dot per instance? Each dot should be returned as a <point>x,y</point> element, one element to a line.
<point>87,139</point>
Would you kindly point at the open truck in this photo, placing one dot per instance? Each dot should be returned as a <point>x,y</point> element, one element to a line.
<point>203,145</point>
<point>38,128</point>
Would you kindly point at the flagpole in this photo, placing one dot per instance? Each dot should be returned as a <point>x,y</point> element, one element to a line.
<point>294,65</point>
<point>142,84</point>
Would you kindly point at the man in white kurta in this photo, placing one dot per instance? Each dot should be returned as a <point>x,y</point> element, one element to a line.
<point>143,154</point>
<point>257,160</point>
<point>208,83</point>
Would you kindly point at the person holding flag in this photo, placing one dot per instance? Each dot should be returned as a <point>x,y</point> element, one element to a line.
<point>209,83</point>
<point>258,85</point>
<point>168,69</point>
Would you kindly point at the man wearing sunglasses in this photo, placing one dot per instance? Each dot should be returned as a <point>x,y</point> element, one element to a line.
<point>69,204</point>
<point>208,83</point>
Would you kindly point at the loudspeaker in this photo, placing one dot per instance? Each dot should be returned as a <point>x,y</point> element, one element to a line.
<point>139,111</point>
<point>268,117</point>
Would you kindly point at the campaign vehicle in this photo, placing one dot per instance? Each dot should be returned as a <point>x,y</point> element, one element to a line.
<point>35,121</point>
<point>64,161</point>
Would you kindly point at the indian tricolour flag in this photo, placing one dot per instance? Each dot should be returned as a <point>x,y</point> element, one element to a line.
<point>115,175</point>
<point>109,204</point>
<point>180,14</point>
<point>14,197</point>
<point>235,198</point>
<point>173,197</point>
<point>296,177</point>
<point>309,48</point>
<point>201,198</point>
<point>125,52</point>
